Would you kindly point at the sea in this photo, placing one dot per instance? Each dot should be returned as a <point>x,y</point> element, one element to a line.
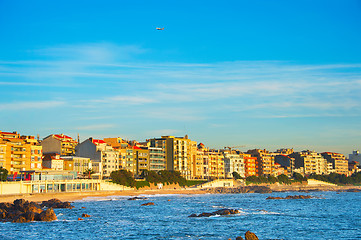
<point>329,215</point>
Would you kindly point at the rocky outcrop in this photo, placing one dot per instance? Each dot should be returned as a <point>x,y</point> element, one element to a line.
<point>148,204</point>
<point>225,211</point>
<point>84,215</point>
<point>56,203</point>
<point>137,198</point>
<point>21,211</point>
<point>47,215</point>
<point>250,236</point>
<point>245,189</point>
<point>291,197</point>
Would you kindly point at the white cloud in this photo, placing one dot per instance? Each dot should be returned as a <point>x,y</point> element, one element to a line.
<point>30,105</point>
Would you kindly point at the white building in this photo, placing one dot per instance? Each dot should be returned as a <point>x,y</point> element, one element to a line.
<point>233,162</point>
<point>103,157</point>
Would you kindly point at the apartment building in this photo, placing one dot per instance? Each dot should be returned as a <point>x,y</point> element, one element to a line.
<point>156,159</point>
<point>53,161</point>
<point>355,156</point>
<point>215,165</point>
<point>338,161</point>
<point>60,144</point>
<point>200,165</point>
<point>233,162</point>
<point>121,146</point>
<point>265,161</point>
<point>286,162</point>
<point>19,153</point>
<point>310,162</point>
<point>250,165</point>
<point>103,157</point>
<point>284,151</point>
<point>179,153</point>
<point>76,164</point>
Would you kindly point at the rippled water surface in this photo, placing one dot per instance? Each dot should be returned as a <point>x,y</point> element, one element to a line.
<point>329,216</point>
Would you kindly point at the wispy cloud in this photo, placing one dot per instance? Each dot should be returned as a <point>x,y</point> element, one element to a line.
<point>105,76</point>
<point>30,105</point>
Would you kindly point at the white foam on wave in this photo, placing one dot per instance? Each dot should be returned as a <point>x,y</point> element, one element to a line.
<point>103,198</point>
<point>264,212</point>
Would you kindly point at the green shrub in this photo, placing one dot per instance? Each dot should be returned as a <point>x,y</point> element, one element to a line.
<point>123,177</point>
<point>140,184</point>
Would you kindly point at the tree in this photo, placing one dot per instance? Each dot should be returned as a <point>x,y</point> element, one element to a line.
<point>123,177</point>
<point>283,179</point>
<point>3,174</point>
<point>89,172</point>
<point>272,179</point>
<point>236,175</point>
<point>298,177</point>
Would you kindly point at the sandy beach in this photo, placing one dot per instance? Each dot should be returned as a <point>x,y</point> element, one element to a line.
<point>74,196</point>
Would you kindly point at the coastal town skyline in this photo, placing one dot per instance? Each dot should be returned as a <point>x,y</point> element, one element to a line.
<point>269,76</point>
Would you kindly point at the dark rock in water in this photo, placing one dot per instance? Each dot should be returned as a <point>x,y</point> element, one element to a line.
<point>137,198</point>
<point>205,214</point>
<point>30,216</point>
<point>20,219</point>
<point>193,215</point>
<point>85,215</point>
<point>353,190</point>
<point>239,238</point>
<point>47,215</point>
<point>24,211</point>
<point>147,204</point>
<point>80,219</point>
<point>291,197</point>
<point>245,189</point>
<point>250,236</point>
<point>56,203</point>
<point>221,212</point>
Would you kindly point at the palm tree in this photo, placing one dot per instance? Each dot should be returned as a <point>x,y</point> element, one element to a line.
<point>89,172</point>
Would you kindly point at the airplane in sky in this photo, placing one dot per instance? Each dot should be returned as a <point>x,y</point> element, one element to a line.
<point>159,28</point>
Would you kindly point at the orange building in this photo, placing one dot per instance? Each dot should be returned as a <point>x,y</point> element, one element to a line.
<point>251,165</point>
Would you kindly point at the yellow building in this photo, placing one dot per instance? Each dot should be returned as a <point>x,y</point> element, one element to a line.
<point>76,164</point>
<point>216,165</point>
<point>180,152</point>
<point>199,171</point>
<point>19,153</point>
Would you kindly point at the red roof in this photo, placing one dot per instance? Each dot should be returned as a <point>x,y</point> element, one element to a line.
<point>135,147</point>
<point>98,141</point>
<point>62,136</point>
<point>9,133</point>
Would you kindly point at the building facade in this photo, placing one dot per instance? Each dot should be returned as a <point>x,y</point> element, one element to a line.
<point>338,161</point>
<point>60,144</point>
<point>233,162</point>
<point>310,161</point>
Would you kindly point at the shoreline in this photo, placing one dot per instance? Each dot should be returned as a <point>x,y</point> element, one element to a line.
<point>76,196</point>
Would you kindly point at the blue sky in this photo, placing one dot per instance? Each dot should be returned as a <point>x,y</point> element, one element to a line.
<point>265,74</point>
